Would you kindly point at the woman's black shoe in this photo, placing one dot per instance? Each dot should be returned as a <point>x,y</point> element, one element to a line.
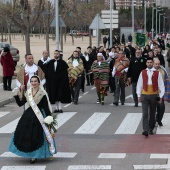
<point>32,161</point>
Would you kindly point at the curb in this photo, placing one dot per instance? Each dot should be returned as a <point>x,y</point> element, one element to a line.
<point>6,101</point>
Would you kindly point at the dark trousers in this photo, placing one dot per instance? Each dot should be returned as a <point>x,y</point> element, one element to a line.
<point>76,89</point>
<point>82,82</point>
<point>149,103</point>
<point>135,97</point>
<point>7,80</point>
<point>120,90</point>
<point>89,79</point>
<point>160,111</point>
<point>112,84</point>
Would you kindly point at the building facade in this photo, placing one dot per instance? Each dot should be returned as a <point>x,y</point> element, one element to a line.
<point>163,3</point>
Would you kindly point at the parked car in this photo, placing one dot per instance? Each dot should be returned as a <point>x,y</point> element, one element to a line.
<point>73,32</point>
<point>14,51</point>
<point>82,33</point>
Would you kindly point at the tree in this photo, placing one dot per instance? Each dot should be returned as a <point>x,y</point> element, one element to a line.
<point>24,14</point>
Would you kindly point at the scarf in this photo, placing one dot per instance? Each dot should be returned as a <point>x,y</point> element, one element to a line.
<point>74,72</point>
<point>46,61</point>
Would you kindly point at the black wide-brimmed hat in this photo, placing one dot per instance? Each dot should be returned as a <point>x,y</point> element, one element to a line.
<point>6,49</point>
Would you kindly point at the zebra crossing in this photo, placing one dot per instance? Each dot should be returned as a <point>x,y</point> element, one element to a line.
<point>129,124</point>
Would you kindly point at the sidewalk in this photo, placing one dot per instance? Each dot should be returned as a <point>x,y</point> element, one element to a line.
<point>6,97</point>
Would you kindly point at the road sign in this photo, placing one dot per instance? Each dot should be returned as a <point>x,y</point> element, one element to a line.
<point>106,18</point>
<point>97,23</point>
<point>61,22</point>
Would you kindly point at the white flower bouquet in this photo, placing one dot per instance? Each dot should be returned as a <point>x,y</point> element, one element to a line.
<point>51,122</point>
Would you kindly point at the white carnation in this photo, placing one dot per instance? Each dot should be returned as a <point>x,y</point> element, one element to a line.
<point>48,120</point>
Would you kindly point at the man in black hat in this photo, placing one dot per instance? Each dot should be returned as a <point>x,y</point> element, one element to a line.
<point>8,67</point>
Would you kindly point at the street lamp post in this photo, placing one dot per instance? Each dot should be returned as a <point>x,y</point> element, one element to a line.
<point>145,18</point>
<point>57,24</point>
<point>133,22</point>
<point>153,8</point>
<point>157,18</point>
<point>164,24</point>
<point>160,21</point>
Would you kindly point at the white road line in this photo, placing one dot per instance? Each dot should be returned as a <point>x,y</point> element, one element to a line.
<point>3,114</point>
<point>85,93</point>
<point>150,167</point>
<point>88,167</point>
<point>129,124</point>
<point>93,88</point>
<point>58,155</point>
<point>80,97</point>
<point>64,117</point>
<point>128,104</point>
<point>93,123</point>
<point>67,105</point>
<point>130,96</point>
<point>10,127</point>
<point>65,155</point>
<point>160,156</point>
<point>165,129</point>
<point>23,168</point>
<point>112,155</point>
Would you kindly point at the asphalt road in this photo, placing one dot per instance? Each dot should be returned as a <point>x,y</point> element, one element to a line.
<point>91,137</point>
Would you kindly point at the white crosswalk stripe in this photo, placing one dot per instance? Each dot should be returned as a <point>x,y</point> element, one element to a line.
<point>3,114</point>
<point>93,123</point>
<point>112,155</point>
<point>88,167</point>
<point>130,124</point>
<point>58,155</point>
<point>165,129</point>
<point>23,168</point>
<point>10,127</point>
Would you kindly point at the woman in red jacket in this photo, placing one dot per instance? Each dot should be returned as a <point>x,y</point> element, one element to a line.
<point>8,68</point>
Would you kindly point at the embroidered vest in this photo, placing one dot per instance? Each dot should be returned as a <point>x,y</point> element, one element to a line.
<point>154,80</point>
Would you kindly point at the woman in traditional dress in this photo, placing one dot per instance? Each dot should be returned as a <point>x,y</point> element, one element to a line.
<point>100,69</point>
<point>32,138</point>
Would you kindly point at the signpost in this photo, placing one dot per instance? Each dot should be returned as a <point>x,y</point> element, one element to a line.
<point>97,24</point>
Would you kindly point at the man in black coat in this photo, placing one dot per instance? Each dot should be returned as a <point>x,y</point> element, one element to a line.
<point>89,61</point>
<point>84,64</point>
<point>58,88</point>
<point>137,64</point>
<point>42,63</point>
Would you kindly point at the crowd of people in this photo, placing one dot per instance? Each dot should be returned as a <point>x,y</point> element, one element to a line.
<point>55,81</point>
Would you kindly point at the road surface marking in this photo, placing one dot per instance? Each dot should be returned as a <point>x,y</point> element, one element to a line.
<point>58,155</point>
<point>165,129</point>
<point>130,96</point>
<point>88,167</point>
<point>63,118</point>
<point>129,124</point>
<point>67,105</point>
<point>10,127</point>
<point>128,104</point>
<point>80,97</point>
<point>85,93</point>
<point>3,114</point>
<point>112,155</point>
<point>23,168</point>
<point>93,123</point>
<point>93,88</point>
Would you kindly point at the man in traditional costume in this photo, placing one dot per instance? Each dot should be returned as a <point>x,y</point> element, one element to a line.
<point>8,67</point>
<point>27,71</point>
<point>150,85</point>
<point>100,69</point>
<point>166,97</point>
<point>75,72</point>
<point>58,82</point>
<point>119,71</point>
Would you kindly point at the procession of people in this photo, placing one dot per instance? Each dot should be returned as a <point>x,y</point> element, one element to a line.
<point>55,81</point>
